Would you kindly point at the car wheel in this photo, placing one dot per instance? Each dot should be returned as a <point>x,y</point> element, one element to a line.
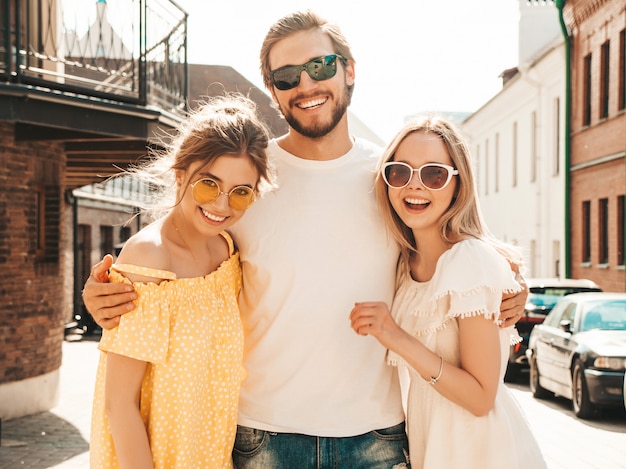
<point>535,388</point>
<point>583,408</point>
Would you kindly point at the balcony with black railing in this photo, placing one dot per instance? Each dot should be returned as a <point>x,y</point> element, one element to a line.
<point>131,51</point>
<point>101,75</point>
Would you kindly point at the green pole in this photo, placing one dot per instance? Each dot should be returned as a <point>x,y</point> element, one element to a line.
<point>566,146</point>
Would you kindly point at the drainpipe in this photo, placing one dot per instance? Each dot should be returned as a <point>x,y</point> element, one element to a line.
<point>78,282</point>
<point>566,147</point>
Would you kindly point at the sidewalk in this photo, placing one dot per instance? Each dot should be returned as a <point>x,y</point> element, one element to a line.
<point>58,438</point>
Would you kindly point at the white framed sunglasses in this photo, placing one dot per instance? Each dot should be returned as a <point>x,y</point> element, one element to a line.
<point>433,176</point>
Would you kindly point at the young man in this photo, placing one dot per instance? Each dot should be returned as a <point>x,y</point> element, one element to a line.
<point>316,394</point>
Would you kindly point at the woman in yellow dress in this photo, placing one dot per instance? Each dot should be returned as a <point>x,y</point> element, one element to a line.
<point>168,379</point>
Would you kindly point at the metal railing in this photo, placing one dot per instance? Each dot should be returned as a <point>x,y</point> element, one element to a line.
<point>132,51</point>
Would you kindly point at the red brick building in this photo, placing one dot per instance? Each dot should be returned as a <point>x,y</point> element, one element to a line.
<point>73,103</point>
<point>597,140</point>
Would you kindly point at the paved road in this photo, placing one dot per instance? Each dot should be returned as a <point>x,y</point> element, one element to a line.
<point>568,442</point>
<point>59,438</point>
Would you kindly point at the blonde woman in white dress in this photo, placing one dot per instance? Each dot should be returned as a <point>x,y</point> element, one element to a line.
<point>443,326</point>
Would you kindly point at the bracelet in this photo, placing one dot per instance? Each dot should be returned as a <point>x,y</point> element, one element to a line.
<point>434,380</point>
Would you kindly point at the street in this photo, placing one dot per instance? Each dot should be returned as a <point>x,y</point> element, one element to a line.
<point>59,438</point>
<point>568,442</point>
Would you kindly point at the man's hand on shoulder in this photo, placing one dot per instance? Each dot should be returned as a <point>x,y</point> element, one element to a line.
<point>513,304</point>
<point>105,301</point>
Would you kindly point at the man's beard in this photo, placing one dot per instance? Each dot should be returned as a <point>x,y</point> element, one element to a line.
<point>320,130</point>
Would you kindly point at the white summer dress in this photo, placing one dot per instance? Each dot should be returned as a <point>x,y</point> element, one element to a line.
<point>469,280</point>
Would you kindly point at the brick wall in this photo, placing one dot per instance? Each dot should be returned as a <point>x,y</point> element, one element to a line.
<point>592,24</point>
<point>604,181</point>
<point>598,150</point>
<point>31,293</point>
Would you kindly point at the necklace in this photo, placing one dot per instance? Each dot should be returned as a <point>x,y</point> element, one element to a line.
<point>184,242</point>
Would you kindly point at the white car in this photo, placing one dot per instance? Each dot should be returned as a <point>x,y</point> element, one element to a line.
<point>543,295</point>
<point>579,352</point>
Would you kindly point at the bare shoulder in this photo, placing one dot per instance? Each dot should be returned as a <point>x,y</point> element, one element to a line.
<point>147,248</point>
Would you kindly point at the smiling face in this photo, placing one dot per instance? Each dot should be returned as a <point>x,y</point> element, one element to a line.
<point>229,171</point>
<point>419,207</point>
<point>313,108</point>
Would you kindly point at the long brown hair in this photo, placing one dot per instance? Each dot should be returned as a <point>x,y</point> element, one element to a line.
<point>222,125</point>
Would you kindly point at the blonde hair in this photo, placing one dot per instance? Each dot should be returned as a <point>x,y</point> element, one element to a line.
<point>296,22</point>
<point>222,125</point>
<point>463,217</point>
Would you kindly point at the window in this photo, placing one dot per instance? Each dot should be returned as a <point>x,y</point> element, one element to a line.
<point>569,314</point>
<point>514,154</point>
<point>556,161</point>
<point>497,163</point>
<point>40,222</point>
<point>621,98</point>
<point>620,230</point>
<point>47,220</point>
<point>587,90</point>
<point>477,172</point>
<point>586,234</point>
<point>106,240</point>
<point>561,312</point>
<point>533,146</point>
<point>603,231</point>
<point>605,54</point>
<point>124,233</point>
<point>486,167</point>
<point>556,257</point>
<point>83,263</point>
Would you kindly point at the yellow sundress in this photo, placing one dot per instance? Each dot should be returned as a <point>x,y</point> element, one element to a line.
<point>189,331</point>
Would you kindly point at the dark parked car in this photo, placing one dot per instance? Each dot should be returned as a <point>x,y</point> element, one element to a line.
<point>543,295</point>
<point>579,352</point>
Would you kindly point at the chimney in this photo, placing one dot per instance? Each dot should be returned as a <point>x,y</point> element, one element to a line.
<point>538,28</point>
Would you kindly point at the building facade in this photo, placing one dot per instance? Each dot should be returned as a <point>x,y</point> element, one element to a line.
<point>550,147</point>
<point>516,142</point>
<point>74,106</point>
<point>598,140</point>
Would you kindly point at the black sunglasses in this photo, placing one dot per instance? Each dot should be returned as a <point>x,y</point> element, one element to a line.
<point>319,69</point>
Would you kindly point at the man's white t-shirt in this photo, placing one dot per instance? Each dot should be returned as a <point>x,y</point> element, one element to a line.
<point>310,249</point>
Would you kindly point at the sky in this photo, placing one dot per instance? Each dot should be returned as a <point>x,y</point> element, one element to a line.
<point>412,56</point>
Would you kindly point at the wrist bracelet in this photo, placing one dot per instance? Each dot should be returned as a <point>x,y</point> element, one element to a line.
<point>434,380</point>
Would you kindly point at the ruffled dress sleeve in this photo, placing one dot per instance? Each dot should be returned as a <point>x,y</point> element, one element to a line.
<point>144,333</point>
<point>469,280</point>
<point>474,276</point>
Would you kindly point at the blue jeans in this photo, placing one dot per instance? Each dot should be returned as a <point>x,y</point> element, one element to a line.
<point>379,449</point>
